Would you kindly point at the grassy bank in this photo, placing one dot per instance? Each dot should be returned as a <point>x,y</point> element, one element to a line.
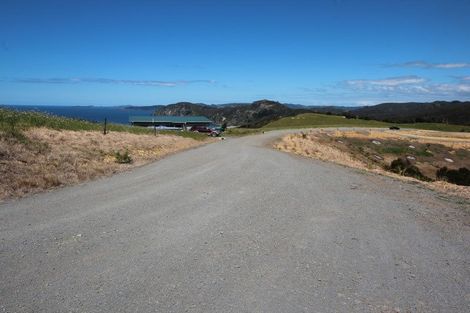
<point>14,122</point>
<point>40,151</point>
<point>439,159</point>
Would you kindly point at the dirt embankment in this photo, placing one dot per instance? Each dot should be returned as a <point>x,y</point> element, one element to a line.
<point>50,158</point>
<point>375,150</point>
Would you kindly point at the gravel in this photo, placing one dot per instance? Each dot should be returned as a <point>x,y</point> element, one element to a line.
<point>236,226</point>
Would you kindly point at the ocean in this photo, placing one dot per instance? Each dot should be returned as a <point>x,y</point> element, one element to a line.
<point>117,115</point>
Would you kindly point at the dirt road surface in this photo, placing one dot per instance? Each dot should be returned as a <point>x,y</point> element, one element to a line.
<point>236,227</point>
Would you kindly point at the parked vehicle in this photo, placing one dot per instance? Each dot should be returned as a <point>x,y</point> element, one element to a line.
<point>216,127</point>
<point>201,129</point>
<point>207,130</point>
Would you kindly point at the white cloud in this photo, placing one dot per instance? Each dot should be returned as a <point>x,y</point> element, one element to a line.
<point>154,83</point>
<point>453,88</point>
<point>409,86</point>
<point>386,83</point>
<point>452,65</point>
<point>423,64</point>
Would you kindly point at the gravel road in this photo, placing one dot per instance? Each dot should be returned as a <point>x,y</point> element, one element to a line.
<point>236,227</point>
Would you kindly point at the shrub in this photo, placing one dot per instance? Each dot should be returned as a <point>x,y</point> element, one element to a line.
<point>424,153</point>
<point>223,127</point>
<point>458,177</point>
<point>406,168</point>
<point>124,158</point>
<point>393,150</point>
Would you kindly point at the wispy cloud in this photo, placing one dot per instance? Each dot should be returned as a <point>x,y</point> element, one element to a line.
<point>390,89</point>
<point>313,90</point>
<point>461,88</point>
<point>152,83</point>
<point>385,83</point>
<point>423,64</point>
<point>409,85</point>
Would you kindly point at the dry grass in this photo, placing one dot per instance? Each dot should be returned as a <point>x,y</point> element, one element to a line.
<point>310,146</point>
<point>51,158</point>
<point>331,145</point>
<point>449,139</point>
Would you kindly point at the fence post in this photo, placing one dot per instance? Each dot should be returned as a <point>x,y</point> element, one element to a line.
<point>104,128</point>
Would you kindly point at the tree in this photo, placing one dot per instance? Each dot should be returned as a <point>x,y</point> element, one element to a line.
<point>224,126</point>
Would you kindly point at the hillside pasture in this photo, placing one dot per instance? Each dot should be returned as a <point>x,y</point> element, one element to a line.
<point>314,120</point>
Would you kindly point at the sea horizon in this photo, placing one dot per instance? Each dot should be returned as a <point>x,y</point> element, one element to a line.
<point>91,113</point>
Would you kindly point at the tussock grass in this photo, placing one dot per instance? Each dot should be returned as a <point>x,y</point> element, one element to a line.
<point>424,152</point>
<point>40,151</point>
<point>65,157</point>
<point>309,145</point>
<point>450,139</point>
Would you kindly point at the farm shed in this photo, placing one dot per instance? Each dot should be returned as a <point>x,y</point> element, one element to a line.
<point>170,121</point>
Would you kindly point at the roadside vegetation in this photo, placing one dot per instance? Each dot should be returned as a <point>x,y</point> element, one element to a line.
<point>439,159</point>
<point>40,151</point>
<point>14,122</point>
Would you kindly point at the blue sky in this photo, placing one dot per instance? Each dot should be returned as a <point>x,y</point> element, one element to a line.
<point>306,52</point>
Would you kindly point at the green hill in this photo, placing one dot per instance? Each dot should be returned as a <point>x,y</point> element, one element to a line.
<point>254,115</point>
<point>309,120</point>
<point>455,112</point>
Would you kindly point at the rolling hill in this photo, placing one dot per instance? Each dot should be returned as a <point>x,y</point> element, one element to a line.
<point>263,112</point>
<point>455,112</point>
<point>314,120</point>
<point>256,114</point>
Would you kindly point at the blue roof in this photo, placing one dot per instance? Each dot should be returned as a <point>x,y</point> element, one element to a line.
<point>169,119</point>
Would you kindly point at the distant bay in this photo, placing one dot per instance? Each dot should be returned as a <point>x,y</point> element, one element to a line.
<point>113,114</point>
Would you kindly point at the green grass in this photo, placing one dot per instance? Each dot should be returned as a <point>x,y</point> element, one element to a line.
<point>321,120</point>
<point>313,120</point>
<point>393,150</point>
<point>21,120</point>
<point>13,122</point>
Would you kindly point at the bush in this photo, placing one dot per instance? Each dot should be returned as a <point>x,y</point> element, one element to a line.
<point>124,158</point>
<point>404,167</point>
<point>223,127</point>
<point>458,177</point>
